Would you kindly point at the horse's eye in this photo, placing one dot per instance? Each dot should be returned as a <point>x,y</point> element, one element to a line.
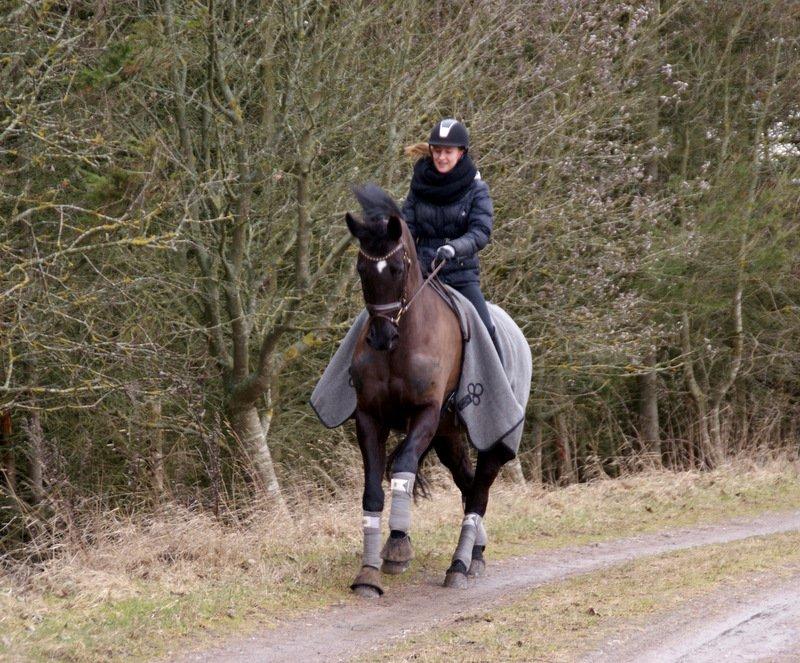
<point>394,270</point>
<point>361,267</point>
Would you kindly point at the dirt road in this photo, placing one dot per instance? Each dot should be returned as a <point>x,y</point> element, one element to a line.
<point>340,632</point>
<point>757,623</point>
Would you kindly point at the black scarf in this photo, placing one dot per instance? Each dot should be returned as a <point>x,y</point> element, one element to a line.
<point>436,188</point>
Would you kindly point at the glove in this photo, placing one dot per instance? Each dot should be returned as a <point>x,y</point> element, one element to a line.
<point>445,252</point>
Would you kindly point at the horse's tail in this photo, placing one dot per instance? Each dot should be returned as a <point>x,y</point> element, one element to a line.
<point>421,485</point>
<point>417,150</point>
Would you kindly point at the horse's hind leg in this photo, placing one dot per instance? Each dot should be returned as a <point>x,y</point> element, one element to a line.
<point>454,454</point>
<point>372,442</point>
<point>468,557</point>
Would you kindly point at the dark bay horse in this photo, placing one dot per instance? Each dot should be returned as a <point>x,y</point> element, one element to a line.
<point>406,364</point>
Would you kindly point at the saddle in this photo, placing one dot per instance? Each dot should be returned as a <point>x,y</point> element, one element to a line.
<point>490,399</point>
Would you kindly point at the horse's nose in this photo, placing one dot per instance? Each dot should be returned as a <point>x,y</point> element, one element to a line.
<point>371,341</point>
<point>382,336</point>
<point>394,337</point>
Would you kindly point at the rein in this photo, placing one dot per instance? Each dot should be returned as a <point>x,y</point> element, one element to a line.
<point>382,310</point>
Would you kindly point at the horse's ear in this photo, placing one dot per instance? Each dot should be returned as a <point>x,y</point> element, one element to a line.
<point>394,229</point>
<point>355,226</point>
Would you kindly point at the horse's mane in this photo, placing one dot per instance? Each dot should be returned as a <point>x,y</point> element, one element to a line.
<point>376,203</point>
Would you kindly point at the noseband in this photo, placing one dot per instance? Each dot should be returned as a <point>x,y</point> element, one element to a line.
<point>384,310</point>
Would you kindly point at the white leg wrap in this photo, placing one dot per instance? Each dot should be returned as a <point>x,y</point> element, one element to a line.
<point>480,537</point>
<point>372,539</point>
<point>469,531</point>
<point>402,490</point>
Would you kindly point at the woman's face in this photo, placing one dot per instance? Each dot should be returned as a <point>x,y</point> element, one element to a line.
<point>445,158</point>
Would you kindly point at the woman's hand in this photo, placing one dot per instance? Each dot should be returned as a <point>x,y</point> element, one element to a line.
<point>445,252</point>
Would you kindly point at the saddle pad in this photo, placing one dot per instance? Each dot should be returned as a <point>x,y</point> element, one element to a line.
<point>490,399</point>
<point>445,293</point>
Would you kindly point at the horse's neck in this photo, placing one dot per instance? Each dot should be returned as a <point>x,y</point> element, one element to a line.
<point>424,311</point>
<point>415,278</point>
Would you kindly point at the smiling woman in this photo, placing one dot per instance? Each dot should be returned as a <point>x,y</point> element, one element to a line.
<point>449,212</point>
<point>446,158</point>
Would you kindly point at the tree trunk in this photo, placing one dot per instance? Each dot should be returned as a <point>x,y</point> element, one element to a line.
<point>566,474</point>
<point>707,453</point>
<point>708,456</point>
<point>649,430</point>
<point>156,443</point>
<point>8,468</point>
<point>537,475</point>
<point>302,273</point>
<point>214,465</point>
<point>717,446</point>
<point>247,427</point>
<point>35,435</point>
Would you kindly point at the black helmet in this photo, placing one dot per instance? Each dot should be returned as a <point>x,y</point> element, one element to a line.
<point>450,133</point>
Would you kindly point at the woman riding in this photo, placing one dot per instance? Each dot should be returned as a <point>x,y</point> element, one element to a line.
<point>449,213</point>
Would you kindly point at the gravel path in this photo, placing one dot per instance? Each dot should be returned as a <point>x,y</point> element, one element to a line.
<point>359,626</point>
<point>760,622</point>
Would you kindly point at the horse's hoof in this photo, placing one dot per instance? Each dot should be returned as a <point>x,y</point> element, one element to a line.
<point>367,591</point>
<point>456,579</point>
<point>394,568</point>
<point>477,568</point>
<point>396,555</point>
<point>367,583</point>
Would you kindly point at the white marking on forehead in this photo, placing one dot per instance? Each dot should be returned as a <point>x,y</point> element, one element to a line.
<point>381,266</point>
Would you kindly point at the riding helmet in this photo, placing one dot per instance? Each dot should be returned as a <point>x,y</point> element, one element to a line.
<point>450,133</point>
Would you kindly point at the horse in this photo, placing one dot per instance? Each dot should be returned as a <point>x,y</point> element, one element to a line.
<point>406,364</point>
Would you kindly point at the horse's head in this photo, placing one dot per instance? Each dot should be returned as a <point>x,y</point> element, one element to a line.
<point>383,264</point>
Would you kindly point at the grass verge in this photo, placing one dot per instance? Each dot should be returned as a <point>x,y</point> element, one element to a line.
<point>145,588</point>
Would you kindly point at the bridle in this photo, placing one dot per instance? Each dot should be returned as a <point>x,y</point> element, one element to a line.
<point>401,306</point>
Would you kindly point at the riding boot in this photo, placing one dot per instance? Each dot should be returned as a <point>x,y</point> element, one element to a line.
<point>493,334</point>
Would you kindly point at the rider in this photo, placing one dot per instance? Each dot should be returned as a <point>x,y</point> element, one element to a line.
<point>449,212</point>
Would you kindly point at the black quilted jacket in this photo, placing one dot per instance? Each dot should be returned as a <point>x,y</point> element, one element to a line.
<point>465,224</point>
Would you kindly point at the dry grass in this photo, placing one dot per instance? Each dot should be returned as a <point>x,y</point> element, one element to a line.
<point>143,582</point>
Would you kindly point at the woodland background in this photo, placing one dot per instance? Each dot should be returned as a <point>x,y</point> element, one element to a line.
<point>175,270</point>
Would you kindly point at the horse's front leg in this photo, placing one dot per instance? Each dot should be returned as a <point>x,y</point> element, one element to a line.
<point>397,553</point>
<point>372,442</point>
<point>468,557</point>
